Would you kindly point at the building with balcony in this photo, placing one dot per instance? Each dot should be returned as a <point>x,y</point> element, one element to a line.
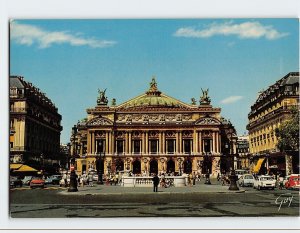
<point>242,147</point>
<point>271,108</point>
<point>154,133</point>
<point>35,125</point>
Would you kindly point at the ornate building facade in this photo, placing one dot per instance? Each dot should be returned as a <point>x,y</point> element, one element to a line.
<point>34,125</point>
<point>271,108</point>
<point>154,133</point>
<point>242,147</point>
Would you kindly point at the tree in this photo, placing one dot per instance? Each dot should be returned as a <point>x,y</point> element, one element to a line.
<point>288,133</point>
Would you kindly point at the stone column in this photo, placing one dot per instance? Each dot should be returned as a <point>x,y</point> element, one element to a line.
<point>214,142</point>
<point>180,142</point>
<point>163,143</point>
<point>126,143</point>
<point>88,142</point>
<point>106,141</point>
<point>200,143</point>
<point>147,142</point>
<point>93,142</point>
<point>177,143</point>
<point>112,144</point>
<point>218,142</point>
<point>160,143</point>
<point>143,143</point>
<point>129,143</point>
<point>196,142</point>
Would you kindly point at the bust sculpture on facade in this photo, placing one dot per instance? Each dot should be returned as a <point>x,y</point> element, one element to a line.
<point>102,99</point>
<point>205,99</point>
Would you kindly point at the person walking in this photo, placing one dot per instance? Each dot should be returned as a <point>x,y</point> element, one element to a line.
<point>155,180</point>
<point>90,179</point>
<point>194,178</point>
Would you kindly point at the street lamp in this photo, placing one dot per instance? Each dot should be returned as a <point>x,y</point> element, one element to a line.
<point>207,179</point>
<point>73,176</point>
<point>99,165</point>
<point>233,177</point>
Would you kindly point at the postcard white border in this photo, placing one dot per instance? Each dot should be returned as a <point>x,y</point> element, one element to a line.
<point>127,9</point>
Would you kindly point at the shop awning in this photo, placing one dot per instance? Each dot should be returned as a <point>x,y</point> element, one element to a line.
<point>15,166</point>
<point>25,168</point>
<point>258,165</point>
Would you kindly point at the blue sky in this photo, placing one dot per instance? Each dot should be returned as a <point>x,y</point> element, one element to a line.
<point>235,58</point>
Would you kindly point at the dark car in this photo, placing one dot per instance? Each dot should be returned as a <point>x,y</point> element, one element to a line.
<point>15,181</point>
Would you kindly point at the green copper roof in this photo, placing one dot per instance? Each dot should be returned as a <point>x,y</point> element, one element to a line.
<point>154,98</point>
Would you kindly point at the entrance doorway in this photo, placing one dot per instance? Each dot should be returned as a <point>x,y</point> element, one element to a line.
<point>207,165</point>
<point>119,165</point>
<point>153,166</point>
<point>187,166</point>
<point>136,167</point>
<point>171,166</point>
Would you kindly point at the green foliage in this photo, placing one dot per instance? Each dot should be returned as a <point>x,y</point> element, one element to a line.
<point>288,133</point>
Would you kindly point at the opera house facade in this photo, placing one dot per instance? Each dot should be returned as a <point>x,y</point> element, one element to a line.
<point>154,133</point>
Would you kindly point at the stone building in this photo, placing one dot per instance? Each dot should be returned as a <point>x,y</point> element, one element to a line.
<point>154,133</point>
<point>271,108</point>
<point>34,125</point>
<point>242,147</point>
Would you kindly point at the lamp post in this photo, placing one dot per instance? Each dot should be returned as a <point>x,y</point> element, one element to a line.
<point>207,179</point>
<point>73,176</point>
<point>233,177</point>
<point>99,165</point>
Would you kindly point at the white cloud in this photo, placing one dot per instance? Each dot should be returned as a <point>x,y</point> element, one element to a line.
<point>246,30</point>
<point>231,99</point>
<point>28,35</point>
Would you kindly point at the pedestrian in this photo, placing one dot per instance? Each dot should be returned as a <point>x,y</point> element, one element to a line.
<point>155,180</point>
<point>65,179</point>
<point>163,181</point>
<point>90,179</point>
<point>280,182</point>
<point>194,178</point>
<point>218,177</point>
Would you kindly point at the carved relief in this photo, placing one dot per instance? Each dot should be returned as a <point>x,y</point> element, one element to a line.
<point>128,119</point>
<point>207,121</point>
<point>145,119</point>
<point>120,134</point>
<point>187,133</point>
<point>136,134</point>
<point>153,134</point>
<point>170,134</point>
<point>99,121</point>
<point>100,134</point>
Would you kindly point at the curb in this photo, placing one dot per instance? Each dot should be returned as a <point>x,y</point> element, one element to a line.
<point>146,193</point>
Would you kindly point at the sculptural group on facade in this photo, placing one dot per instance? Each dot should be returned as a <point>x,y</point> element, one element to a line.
<point>102,99</point>
<point>205,99</point>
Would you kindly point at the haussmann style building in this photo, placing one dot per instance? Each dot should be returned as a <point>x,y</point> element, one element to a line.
<point>154,133</point>
<point>271,108</point>
<point>35,126</point>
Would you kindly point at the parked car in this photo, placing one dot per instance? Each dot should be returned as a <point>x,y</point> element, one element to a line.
<point>54,179</point>
<point>27,180</point>
<point>15,181</point>
<point>37,182</point>
<point>240,172</point>
<point>246,180</point>
<point>264,182</point>
<point>293,182</point>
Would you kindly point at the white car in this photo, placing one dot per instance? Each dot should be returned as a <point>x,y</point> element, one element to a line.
<point>264,182</point>
<point>246,180</point>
